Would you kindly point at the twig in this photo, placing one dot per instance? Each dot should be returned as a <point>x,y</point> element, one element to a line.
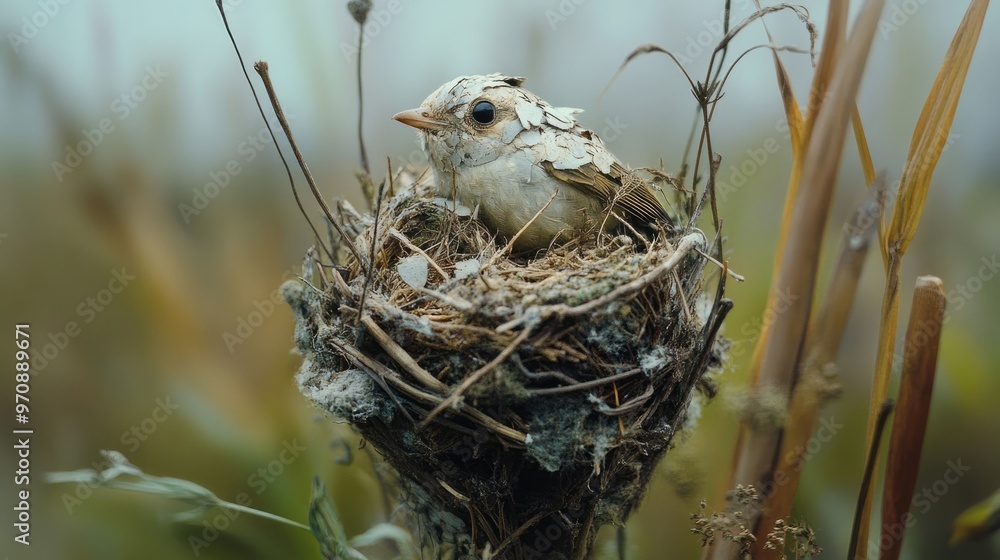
<point>510,244</point>
<point>409,245</point>
<point>520,531</point>
<point>685,306</point>
<point>261,68</point>
<point>455,493</point>
<point>397,353</point>
<point>629,406</point>
<point>477,375</point>
<point>360,10</point>
<point>260,109</point>
<point>369,278</point>
<point>686,245</point>
<point>541,374</point>
<point>383,372</point>
<point>725,267</point>
<point>454,301</point>
<point>584,385</point>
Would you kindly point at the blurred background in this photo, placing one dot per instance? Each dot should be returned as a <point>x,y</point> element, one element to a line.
<point>146,223</point>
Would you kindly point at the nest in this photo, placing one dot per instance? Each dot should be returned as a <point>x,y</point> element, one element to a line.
<point>522,403</point>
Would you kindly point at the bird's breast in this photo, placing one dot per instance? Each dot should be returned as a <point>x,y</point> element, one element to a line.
<point>508,194</point>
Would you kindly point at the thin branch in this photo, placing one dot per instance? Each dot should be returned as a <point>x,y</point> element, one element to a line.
<point>475,376</point>
<point>261,68</point>
<point>260,109</point>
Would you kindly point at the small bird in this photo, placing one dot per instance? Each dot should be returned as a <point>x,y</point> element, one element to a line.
<point>506,153</point>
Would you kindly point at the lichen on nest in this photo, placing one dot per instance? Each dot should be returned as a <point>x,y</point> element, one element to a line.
<point>507,393</point>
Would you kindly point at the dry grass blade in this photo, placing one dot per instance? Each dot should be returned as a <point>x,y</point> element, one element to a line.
<point>816,383</point>
<point>779,357</point>
<point>793,114</point>
<point>476,376</point>
<point>923,335</point>
<point>883,366</point>
<point>931,133</point>
<point>864,153</point>
<point>833,43</point>
<point>929,140</point>
<point>647,49</point>
<point>800,131</point>
<point>797,274</point>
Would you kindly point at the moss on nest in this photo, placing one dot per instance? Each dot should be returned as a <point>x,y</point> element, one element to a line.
<point>512,396</point>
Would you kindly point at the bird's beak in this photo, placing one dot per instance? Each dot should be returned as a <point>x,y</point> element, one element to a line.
<point>419,118</point>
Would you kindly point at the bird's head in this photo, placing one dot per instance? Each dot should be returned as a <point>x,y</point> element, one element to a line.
<point>472,120</point>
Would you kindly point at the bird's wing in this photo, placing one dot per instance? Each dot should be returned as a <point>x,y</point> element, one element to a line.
<point>620,189</point>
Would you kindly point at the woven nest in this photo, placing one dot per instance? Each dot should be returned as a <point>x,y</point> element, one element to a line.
<point>523,403</point>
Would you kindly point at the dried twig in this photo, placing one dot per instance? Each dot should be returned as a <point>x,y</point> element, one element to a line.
<point>584,385</point>
<point>923,335</point>
<point>376,367</point>
<point>409,245</point>
<point>261,68</point>
<point>478,374</point>
<point>684,246</point>
<point>397,353</point>
<point>260,109</point>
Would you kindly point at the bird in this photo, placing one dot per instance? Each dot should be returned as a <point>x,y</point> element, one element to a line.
<point>505,153</point>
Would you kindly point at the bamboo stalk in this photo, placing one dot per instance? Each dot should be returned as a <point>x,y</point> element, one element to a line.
<point>929,140</point>
<point>813,387</point>
<point>923,335</point>
<point>781,351</point>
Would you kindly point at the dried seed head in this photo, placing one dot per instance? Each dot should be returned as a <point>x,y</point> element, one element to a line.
<point>359,10</point>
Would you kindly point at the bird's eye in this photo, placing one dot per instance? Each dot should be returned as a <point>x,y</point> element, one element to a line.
<point>484,112</point>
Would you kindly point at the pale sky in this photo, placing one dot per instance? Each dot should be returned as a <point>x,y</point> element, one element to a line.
<point>94,51</point>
